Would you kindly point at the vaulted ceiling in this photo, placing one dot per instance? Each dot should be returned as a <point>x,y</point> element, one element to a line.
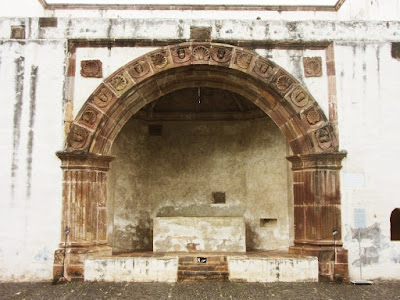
<point>200,104</point>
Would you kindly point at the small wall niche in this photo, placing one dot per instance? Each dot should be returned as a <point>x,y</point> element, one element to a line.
<point>218,197</point>
<point>266,222</point>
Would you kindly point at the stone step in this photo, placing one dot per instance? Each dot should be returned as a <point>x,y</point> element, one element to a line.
<point>204,267</point>
<point>215,268</point>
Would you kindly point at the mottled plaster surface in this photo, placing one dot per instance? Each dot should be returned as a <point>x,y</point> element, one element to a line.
<point>176,173</point>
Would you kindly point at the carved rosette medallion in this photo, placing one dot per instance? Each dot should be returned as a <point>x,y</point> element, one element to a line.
<point>312,66</point>
<point>243,59</point>
<point>299,97</point>
<point>283,82</point>
<point>91,69</point>
<point>180,55</point>
<point>159,60</point>
<point>139,69</point>
<point>201,53</point>
<point>264,69</point>
<point>313,117</point>
<point>324,139</point>
<point>78,137</point>
<point>221,54</point>
<point>119,82</point>
<point>89,116</point>
<point>103,97</point>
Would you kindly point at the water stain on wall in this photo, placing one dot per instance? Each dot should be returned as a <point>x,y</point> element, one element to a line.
<point>19,89</point>
<point>373,242</point>
<point>32,112</point>
<point>43,255</point>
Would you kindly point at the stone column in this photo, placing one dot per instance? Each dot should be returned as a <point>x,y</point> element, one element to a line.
<point>84,212</point>
<point>317,211</point>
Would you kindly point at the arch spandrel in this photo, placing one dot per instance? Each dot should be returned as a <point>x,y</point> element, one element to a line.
<point>145,79</point>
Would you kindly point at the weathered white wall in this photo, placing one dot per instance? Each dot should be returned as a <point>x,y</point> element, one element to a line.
<point>367,108</point>
<point>32,77</point>
<point>351,10</point>
<point>368,89</point>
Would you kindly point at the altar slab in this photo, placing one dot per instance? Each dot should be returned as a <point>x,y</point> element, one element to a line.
<point>194,234</point>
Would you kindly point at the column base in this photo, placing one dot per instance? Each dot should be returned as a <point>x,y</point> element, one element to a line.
<point>332,261</point>
<point>75,257</point>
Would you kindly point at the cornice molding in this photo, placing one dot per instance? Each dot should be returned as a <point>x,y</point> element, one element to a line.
<point>70,6</point>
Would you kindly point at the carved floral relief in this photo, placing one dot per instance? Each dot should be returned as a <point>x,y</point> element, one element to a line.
<point>201,53</point>
<point>312,66</point>
<point>91,69</point>
<point>243,59</point>
<point>159,60</point>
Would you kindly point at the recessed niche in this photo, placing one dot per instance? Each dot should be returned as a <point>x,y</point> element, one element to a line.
<point>218,198</point>
<point>395,225</point>
<point>265,222</point>
<point>396,50</point>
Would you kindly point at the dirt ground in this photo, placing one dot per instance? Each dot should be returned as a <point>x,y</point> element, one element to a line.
<point>230,290</point>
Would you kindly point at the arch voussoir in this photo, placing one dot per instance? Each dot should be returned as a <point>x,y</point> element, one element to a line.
<point>191,64</point>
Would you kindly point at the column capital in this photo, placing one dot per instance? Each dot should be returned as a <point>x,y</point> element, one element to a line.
<point>327,160</point>
<point>83,160</point>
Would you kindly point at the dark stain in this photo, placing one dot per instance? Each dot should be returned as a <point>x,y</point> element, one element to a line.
<point>68,28</point>
<point>250,238</point>
<point>297,70</point>
<point>370,255</point>
<point>364,67</point>
<point>292,28</point>
<point>181,29</point>
<point>32,112</point>
<point>134,238</point>
<point>109,27</point>
<point>266,30</point>
<point>200,211</point>
<point>354,61</point>
<point>277,271</point>
<point>19,90</point>
<point>192,246</point>
<point>378,68</point>
<point>218,27</point>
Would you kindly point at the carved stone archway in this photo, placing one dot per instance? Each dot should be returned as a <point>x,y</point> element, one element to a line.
<point>316,160</point>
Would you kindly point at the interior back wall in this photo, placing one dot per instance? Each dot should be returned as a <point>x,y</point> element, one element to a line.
<point>176,173</point>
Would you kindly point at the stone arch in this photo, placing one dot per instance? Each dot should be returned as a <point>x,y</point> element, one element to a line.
<point>316,161</point>
<point>275,91</point>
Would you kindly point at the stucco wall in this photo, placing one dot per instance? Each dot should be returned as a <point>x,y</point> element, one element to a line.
<point>31,132</point>
<point>368,107</point>
<point>33,74</point>
<point>350,10</point>
<point>176,173</point>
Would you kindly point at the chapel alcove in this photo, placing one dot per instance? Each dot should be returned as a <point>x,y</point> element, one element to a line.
<point>179,153</point>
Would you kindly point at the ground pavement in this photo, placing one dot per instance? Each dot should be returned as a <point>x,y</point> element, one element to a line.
<point>101,290</point>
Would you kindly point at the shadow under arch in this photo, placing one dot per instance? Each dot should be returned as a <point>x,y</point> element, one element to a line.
<point>316,162</point>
